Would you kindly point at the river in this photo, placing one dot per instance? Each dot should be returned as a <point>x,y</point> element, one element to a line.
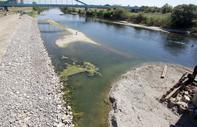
<point>122,48</point>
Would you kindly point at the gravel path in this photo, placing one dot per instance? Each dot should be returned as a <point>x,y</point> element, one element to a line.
<point>136,99</point>
<point>29,88</point>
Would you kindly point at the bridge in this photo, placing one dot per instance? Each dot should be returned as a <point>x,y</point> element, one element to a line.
<point>56,3</point>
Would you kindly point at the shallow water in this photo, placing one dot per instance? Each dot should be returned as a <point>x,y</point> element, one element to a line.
<point>122,48</point>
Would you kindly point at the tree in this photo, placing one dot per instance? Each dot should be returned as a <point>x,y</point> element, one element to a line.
<point>158,10</point>
<point>117,13</point>
<point>144,8</point>
<point>167,8</point>
<point>184,14</point>
<point>101,13</point>
<point>109,13</point>
<point>74,9</point>
<point>150,9</point>
<point>140,17</point>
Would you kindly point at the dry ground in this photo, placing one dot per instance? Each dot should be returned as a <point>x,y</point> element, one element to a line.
<point>8,28</point>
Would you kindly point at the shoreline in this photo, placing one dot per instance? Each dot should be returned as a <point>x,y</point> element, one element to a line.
<point>138,25</point>
<point>154,28</point>
<point>30,89</point>
<point>135,98</point>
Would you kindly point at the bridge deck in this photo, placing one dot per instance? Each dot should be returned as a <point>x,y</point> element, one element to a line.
<point>65,5</point>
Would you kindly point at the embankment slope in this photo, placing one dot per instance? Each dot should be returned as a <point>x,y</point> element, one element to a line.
<point>30,92</point>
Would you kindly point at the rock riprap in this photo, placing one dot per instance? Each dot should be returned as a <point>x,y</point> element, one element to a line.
<point>30,92</point>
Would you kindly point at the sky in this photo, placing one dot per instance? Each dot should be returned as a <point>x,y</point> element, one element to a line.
<point>158,3</point>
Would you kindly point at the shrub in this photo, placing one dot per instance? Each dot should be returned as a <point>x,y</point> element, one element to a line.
<point>32,13</point>
<point>141,17</point>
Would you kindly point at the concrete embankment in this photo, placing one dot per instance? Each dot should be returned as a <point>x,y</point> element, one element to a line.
<point>136,99</point>
<point>30,92</point>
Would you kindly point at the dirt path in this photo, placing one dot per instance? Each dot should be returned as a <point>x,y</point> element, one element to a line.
<point>136,99</point>
<point>8,28</point>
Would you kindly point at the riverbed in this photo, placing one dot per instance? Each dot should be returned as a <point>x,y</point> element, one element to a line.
<point>122,48</point>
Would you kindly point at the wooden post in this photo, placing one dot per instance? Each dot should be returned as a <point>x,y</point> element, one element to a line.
<point>164,72</point>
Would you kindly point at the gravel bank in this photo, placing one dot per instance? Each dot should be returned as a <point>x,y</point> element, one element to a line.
<point>136,99</point>
<point>29,88</point>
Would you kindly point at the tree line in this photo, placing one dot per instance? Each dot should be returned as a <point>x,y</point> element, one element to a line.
<point>181,16</point>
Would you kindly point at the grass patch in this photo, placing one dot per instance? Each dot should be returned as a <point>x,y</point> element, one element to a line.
<point>15,9</point>
<point>32,13</point>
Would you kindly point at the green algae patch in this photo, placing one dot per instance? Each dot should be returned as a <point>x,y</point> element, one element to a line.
<point>72,69</point>
<point>64,57</point>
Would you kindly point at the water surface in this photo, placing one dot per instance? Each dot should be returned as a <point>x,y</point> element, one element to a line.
<point>122,48</point>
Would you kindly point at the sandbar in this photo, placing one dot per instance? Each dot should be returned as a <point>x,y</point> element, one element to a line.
<point>75,36</point>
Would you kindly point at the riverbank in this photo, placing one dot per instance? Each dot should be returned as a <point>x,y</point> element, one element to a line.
<point>30,89</point>
<point>159,29</point>
<point>136,98</point>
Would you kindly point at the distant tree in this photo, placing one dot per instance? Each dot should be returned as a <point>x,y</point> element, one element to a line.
<point>167,8</point>
<point>117,13</point>
<point>74,9</point>
<point>158,10</point>
<point>126,14</point>
<point>2,1</point>
<point>101,13</point>
<point>95,12</point>
<point>109,13</point>
<point>150,9</point>
<point>144,8</point>
<point>109,9</point>
<point>183,15</point>
<point>140,17</point>
<point>153,11</point>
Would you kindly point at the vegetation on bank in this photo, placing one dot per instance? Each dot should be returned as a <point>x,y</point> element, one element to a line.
<point>32,14</point>
<point>40,9</point>
<point>181,17</point>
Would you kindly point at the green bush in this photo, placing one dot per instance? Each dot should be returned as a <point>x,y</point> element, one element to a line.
<point>101,13</point>
<point>141,17</point>
<point>32,13</point>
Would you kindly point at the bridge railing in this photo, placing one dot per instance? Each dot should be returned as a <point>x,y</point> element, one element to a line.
<point>51,3</point>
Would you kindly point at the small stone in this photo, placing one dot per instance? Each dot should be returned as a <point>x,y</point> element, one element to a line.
<point>69,108</point>
<point>186,93</point>
<point>186,98</point>
<point>12,120</point>
<point>59,107</point>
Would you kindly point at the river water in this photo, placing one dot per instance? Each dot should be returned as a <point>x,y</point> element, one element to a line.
<point>122,48</point>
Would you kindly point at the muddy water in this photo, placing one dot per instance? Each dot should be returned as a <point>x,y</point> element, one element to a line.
<point>122,48</point>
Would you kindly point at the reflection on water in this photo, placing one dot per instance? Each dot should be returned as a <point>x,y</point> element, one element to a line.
<point>122,48</point>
